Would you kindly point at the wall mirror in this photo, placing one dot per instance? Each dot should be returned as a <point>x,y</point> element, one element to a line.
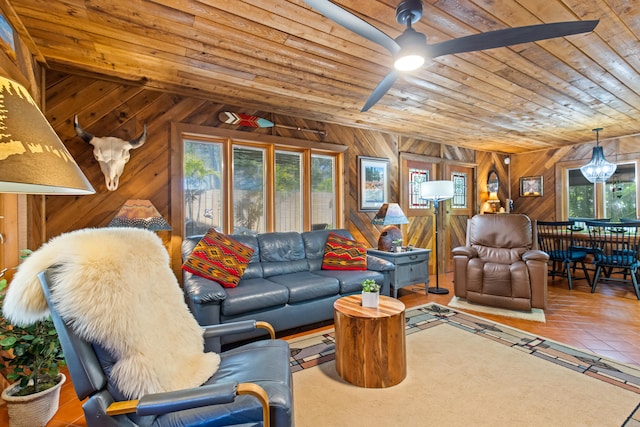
<point>493,183</point>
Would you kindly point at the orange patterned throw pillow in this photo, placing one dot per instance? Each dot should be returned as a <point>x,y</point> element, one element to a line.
<point>218,257</point>
<point>341,253</point>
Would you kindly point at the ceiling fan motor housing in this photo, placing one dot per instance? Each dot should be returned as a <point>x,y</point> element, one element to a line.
<point>409,12</point>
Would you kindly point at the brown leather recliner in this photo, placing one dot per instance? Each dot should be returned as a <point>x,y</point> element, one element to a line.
<point>500,266</point>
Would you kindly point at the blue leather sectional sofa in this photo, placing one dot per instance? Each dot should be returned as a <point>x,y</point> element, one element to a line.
<point>283,284</point>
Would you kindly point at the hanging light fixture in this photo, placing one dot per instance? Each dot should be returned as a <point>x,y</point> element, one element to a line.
<point>598,169</point>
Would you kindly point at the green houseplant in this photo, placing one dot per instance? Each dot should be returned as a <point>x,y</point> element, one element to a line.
<point>370,293</point>
<point>32,358</point>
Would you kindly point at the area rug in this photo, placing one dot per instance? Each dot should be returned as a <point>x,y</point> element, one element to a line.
<point>463,370</point>
<point>536,314</point>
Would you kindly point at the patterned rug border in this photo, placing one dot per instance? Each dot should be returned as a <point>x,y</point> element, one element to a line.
<point>316,349</point>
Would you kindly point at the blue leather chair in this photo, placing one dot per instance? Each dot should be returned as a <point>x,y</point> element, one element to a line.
<point>252,386</point>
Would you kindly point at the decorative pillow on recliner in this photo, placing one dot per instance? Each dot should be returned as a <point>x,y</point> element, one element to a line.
<point>341,253</point>
<point>218,257</point>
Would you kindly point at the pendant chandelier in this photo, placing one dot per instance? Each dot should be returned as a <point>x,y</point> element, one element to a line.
<point>598,169</point>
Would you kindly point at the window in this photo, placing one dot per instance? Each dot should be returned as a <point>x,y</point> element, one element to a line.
<point>459,190</point>
<point>248,190</point>
<point>247,187</point>
<point>202,171</point>
<point>615,199</point>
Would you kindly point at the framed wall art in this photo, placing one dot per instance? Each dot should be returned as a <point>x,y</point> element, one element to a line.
<point>531,186</point>
<point>373,183</point>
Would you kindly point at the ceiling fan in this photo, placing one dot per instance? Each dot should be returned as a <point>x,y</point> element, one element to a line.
<point>410,49</point>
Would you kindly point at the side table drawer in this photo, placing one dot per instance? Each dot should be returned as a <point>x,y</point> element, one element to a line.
<point>409,258</point>
<point>411,273</point>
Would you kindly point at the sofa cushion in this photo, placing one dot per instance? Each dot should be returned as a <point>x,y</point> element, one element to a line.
<point>341,253</point>
<point>351,281</point>
<point>305,286</point>
<point>219,257</point>
<point>253,295</point>
<point>282,253</point>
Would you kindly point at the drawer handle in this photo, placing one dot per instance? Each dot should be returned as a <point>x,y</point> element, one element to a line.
<point>413,257</point>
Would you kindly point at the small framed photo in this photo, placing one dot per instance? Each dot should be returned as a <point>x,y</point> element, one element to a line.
<point>373,183</point>
<point>531,186</point>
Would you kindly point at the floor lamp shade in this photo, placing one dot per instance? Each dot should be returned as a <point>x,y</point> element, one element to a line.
<point>33,160</point>
<point>436,191</point>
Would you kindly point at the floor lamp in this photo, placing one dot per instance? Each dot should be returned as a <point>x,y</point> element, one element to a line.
<point>436,191</point>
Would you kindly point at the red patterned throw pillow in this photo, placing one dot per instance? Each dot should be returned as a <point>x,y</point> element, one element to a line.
<point>218,257</point>
<point>341,253</point>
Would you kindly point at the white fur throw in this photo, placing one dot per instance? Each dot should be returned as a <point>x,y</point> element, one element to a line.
<point>118,289</point>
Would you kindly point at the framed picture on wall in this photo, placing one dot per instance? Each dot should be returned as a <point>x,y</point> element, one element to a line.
<point>7,38</point>
<point>373,183</point>
<point>531,186</point>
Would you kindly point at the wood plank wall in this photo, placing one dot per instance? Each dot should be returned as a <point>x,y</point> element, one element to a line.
<point>116,108</point>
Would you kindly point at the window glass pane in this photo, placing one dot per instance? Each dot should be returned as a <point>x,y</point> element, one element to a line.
<point>323,193</point>
<point>202,187</point>
<point>580,196</point>
<point>459,190</point>
<point>288,203</point>
<point>620,193</point>
<point>248,190</point>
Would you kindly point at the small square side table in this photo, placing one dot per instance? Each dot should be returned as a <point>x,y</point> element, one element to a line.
<point>412,267</point>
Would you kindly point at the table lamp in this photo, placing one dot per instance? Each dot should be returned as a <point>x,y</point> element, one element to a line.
<point>436,191</point>
<point>139,214</point>
<point>389,215</point>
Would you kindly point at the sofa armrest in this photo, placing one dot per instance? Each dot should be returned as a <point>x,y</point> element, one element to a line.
<point>238,327</point>
<point>378,264</point>
<point>200,290</point>
<point>466,251</point>
<point>535,255</point>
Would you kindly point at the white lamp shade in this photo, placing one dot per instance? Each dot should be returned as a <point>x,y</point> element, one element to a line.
<point>436,190</point>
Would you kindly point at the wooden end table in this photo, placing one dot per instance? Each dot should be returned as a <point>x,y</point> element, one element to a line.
<point>370,342</point>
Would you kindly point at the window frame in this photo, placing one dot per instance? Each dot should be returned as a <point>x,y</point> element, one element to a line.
<point>562,186</point>
<point>229,139</point>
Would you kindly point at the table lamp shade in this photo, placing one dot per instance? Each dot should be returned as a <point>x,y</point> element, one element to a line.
<point>33,160</point>
<point>436,190</point>
<point>139,214</point>
<point>390,213</point>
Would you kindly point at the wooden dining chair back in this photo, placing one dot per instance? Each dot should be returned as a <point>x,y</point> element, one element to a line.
<point>616,248</point>
<point>556,239</point>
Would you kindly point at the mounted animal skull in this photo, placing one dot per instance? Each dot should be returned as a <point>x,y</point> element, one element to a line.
<point>111,153</point>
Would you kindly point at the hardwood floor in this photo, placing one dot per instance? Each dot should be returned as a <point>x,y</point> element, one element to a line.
<point>606,322</point>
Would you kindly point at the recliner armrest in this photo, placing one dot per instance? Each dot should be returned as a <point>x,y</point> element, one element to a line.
<point>239,327</point>
<point>535,255</point>
<point>378,264</point>
<point>467,251</point>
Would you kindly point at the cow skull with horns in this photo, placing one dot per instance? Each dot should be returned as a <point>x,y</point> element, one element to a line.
<point>111,153</point>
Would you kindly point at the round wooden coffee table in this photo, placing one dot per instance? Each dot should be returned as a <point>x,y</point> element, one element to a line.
<point>370,342</point>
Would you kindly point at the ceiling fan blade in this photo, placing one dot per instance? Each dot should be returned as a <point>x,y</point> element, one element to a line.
<point>380,90</point>
<point>510,36</point>
<point>353,23</point>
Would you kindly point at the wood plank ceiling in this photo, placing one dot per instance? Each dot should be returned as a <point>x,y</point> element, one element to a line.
<point>280,56</point>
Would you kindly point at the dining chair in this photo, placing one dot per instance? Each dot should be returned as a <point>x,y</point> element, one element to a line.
<point>615,246</point>
<point>556,239</point>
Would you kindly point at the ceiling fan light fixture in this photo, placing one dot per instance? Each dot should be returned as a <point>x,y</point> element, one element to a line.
<point>598,169</point>
<point>413,46</point>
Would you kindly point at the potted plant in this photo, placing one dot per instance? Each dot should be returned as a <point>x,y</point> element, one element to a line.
<point>397,245</point>
<point>370,293</point>
<point>32,358</point>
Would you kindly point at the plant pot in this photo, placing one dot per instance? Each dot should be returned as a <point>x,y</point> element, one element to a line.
<point>33,410</point>
<point>370,299</point>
